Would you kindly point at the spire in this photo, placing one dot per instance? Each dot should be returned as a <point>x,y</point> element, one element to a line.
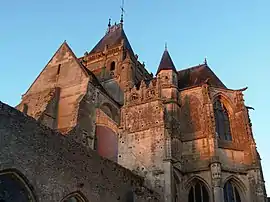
<point>166,62</point>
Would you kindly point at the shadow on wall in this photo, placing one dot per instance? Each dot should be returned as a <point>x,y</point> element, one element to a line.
<point>190,115</point>
<point>106,143</point>
<point>111,111</point>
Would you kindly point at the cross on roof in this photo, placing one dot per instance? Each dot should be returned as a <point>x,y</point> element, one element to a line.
<point>122,11</point>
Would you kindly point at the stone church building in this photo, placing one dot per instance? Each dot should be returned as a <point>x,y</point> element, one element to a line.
<point>176,136</point>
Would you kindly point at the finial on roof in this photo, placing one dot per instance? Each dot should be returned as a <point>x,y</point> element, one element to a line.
<point>205,61</point>
<point>166,46</point>
<point>122,12</point>
<point>109,25</point>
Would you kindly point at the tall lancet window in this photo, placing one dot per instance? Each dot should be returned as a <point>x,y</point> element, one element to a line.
<point>223,128</point>
<point>231,193</point>
<point>198,193</point>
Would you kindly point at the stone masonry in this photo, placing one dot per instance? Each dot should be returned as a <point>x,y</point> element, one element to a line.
<point>55,165</point>
<point>184,132</point>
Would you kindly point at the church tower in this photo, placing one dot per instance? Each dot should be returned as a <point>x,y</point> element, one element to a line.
<point>114,63</point>
<point>184,132</point>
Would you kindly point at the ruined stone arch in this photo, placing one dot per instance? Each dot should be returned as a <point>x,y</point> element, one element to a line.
<point>75,197</point>
<point>107,109</point>
<point>14,186</point>
<point>236,184</point>
<point>197,189</point>
<point>110,110</point>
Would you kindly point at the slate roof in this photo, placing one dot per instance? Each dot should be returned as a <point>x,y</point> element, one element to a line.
<point>166,62</point>
<point>197,75</point>
<point>113,37</point>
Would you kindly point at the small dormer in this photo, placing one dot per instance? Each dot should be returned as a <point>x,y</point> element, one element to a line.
<point>166,70</point>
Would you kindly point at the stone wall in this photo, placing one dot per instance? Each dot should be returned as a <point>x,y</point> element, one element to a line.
<point>56,165</point>
<point>207,158</point>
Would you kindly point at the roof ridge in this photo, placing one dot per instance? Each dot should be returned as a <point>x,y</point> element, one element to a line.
<point>192,67</point>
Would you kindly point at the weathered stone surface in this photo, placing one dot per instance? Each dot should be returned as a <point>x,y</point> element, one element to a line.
<point>56,165</point>
<point>162,128</point>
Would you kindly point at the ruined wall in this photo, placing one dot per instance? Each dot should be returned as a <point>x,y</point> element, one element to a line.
<point>55,165</point>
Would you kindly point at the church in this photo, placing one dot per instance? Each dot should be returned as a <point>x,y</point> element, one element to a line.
<point>100,127</point>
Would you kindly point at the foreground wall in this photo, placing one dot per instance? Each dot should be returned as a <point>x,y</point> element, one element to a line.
<point>53,166</point>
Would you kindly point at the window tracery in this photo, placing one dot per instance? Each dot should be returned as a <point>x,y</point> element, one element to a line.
<point>198,193</point>
<point>231,193</point>
<point>222,120</point>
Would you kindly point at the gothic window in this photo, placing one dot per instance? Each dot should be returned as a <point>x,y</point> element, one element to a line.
<point>112,66</point>
<point>13,188</point>
<point>231,193</point>
<point>222,120</point>
<point>198,193</point>
<point>74,197</point>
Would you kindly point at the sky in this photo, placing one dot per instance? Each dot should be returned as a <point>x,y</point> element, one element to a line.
<point>234,36</point>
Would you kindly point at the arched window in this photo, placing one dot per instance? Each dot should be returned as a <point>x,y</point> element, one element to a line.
<point>74,197</point>
<point>223,128</point>
<point>198,193</point>
<point>231,193</point>
<point>14,188</point>
<point>112,68</point>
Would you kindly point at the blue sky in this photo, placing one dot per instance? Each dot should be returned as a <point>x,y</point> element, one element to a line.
<point>233,35</point>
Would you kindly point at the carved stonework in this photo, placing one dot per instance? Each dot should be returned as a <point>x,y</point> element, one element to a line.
<point>216,174</point>
<point>239,100</point>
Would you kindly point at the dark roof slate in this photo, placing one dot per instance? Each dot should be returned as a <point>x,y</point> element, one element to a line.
<point>197,75</point>
<point>113,37</point>
<point>166,62</point>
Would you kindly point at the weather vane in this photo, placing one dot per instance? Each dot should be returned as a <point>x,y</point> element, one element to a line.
<point>122,11</point>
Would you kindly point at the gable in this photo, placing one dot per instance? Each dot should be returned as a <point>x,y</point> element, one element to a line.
<point>62,70</point>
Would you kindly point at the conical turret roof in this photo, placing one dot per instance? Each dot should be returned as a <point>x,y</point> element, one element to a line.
<point>166,62</point>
